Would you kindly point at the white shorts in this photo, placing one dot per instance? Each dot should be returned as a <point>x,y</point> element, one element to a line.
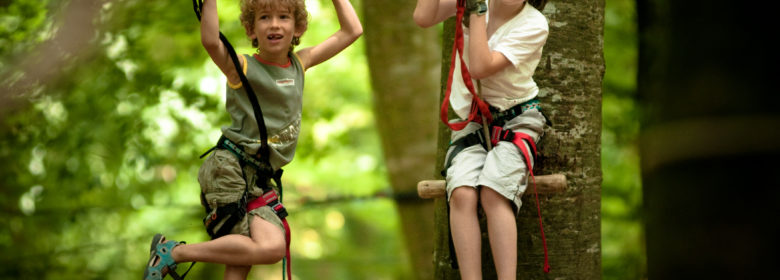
<point>503,169</point>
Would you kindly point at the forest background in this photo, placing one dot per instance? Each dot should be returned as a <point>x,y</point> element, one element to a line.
<point>103,152</point>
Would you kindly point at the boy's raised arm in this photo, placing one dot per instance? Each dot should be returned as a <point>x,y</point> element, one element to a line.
<point>483,61</point>
<point>350,30</point>
<point>209,37</point>
<point>428,13</point>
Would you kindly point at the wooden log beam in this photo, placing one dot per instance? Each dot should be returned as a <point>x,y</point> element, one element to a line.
<point>545,184</point>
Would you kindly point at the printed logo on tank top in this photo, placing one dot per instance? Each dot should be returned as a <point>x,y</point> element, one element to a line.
<point>285,82</point>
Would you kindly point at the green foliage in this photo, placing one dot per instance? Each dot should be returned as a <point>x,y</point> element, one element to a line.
<point>106,154</point>
<point>623,254</point>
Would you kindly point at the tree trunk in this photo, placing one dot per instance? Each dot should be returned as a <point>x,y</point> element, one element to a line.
<point>569,77</point>
<point>709,139</point>
<point>404,64</point>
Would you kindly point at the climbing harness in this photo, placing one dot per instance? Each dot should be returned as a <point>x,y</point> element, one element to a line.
<point>220,221</point>
<point>228,215</point>
<point>478,137</point>
<point>480,110</point>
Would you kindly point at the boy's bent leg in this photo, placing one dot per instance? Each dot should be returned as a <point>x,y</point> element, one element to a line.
<point>267,246</point>
<point>466,235</point>
<point>502,231</point>
<point>272,237</point>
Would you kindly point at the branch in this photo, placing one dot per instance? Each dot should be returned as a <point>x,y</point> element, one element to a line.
<point>546,184</point>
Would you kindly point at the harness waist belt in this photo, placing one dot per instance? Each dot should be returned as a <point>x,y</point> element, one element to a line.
<point>225,143</point>
<point>500,117</point>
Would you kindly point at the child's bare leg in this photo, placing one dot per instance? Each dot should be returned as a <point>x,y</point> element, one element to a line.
<point>267,246</point>
<point>466,235</point>
<point>502,231</point>
<point>233,272</point>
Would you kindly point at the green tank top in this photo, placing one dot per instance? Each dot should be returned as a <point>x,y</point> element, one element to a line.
<point>279,90</point>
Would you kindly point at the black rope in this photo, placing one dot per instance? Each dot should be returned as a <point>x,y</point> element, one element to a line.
<point>296,204</point>
<point>264,149</point>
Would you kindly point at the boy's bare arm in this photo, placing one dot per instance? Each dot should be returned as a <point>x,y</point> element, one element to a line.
<point>350,30</point>
<point>428,13</point>
<point>209,37</point>
<point>483,62</point>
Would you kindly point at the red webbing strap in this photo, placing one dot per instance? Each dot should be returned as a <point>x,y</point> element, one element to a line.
<point>264,200</point>
<point>518,141</point>
<point>287,249</point>
<point>477,105</point>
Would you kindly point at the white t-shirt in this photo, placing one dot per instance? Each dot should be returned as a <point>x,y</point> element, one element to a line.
<point>520,40</point>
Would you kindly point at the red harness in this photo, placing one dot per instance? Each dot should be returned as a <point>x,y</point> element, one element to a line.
<point>481,109</point>
<point>517,138</point>
<point>271,199</point>
<point>477,105</point>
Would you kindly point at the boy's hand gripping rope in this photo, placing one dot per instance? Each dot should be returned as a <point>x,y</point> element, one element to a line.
<point>480,109</point>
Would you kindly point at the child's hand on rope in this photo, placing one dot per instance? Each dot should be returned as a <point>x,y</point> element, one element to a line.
<point>473,7</point>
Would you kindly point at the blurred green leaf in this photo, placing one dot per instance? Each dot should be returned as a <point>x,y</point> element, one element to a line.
<point>623,253</point>
<point>105,154</point>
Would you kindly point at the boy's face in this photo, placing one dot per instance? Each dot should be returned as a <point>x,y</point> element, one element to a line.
<point>274,29</point>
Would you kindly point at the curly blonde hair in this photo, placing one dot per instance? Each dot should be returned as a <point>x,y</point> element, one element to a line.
<point>250,7</point>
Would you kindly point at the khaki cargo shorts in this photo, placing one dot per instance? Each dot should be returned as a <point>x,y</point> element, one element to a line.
<point>222,183</point>
<point>503,169</point>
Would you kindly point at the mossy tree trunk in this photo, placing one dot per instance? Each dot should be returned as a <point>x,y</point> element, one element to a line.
<point>404,64</point>
<point>569,77</point>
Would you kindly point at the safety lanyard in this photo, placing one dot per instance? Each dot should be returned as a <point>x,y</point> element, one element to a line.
<point>518,140</point>
<point>477,105</point>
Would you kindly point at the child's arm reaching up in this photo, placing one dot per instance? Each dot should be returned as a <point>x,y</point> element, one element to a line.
<point>350,30</point>
<point>209,37</point>
<point>428,13</point>
<point>483,61</point>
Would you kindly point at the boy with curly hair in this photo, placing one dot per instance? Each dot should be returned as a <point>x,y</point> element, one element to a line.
<point>276,73</point>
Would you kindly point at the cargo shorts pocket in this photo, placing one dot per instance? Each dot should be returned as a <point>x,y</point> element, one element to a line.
<point>221,180</point>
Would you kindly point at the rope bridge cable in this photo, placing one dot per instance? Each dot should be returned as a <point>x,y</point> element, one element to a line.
<point>410,196</point>
<point>402,197</point>
<point>89,247</point>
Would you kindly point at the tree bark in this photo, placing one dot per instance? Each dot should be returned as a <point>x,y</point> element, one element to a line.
<point>709,139</point>
<point>569,78</point>
<point>404,64</point>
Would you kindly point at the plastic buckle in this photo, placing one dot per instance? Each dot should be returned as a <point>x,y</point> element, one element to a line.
<point>278,209</point>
